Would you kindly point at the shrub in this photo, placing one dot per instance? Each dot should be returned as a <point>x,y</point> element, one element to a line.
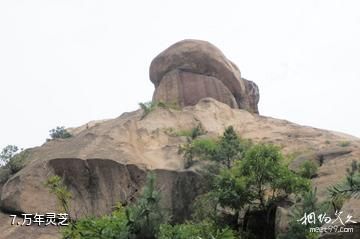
<point>112,226</point>
<point>150,106</point>
<point>198,149</point>
<point>18,161</point>
<point>193,133</point>
<point>13,159</point>
<point>59,133</point>
<point>190,230</point>
<point>344,143</point>
<point>308,169</point>
<point>204,207</point>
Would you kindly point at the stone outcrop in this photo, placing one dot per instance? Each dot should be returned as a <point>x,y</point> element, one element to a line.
<point>107,162</point>
<point>97,185</point>
<point>192,69</point>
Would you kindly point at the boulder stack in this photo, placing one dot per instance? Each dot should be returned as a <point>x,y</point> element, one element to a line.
<point>191,70</point>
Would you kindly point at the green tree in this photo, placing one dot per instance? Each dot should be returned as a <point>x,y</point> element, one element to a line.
<point>230,148</point>
<point>224,151</point>
<point>146,215</point>
<point>257,182</point>
<point>265,172</point>
<point>13,160</point>
<point>7,153</point>
<point>59,133</point>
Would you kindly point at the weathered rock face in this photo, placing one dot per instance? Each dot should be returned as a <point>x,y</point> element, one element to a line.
<point>183,69</point>
<point>96,186</point>
<point>185,88</point>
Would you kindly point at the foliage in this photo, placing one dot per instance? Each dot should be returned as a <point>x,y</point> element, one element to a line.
<point>204,207</point>
<point>191,230</point>
<point>252,176</point>
<point>59,133</point>
<point>198,149</point>
<point>193,133</point>
<point>141,220</point>
<point>307,205</point>
<point>112,226</point>
<point>7,153</point>
<point>230,148</point>
<point>231,189</point>
<point>308,169</point>
<point>57,187</point>
<point>350,187</point>
<point>150,106</point>
<point>144,218</point>
<point>18,161</point>
<point>344,143</point>
<point>13,160</point>
<point>264,172</point>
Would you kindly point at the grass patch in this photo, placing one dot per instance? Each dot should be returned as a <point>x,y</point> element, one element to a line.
<point>150,106</point>
<point>344,143</point>
<point>192,133</point>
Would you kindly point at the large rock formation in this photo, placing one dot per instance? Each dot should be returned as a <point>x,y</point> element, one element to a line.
<point>107,162</point>
<point>192,69</point>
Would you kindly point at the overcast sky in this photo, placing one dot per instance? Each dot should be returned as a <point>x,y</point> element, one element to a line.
<point>66,62</point>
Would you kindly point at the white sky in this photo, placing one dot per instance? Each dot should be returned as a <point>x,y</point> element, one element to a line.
<point>66,62</point>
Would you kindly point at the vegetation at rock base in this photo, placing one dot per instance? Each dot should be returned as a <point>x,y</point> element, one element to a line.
<point>245,178</point>
<point>150,106</point>
<point>189,230</point>
<point>245,181</point>
<point>56,186</point>
<point>140,220</point>
<point>59,133</point>
<point>13,160</point>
